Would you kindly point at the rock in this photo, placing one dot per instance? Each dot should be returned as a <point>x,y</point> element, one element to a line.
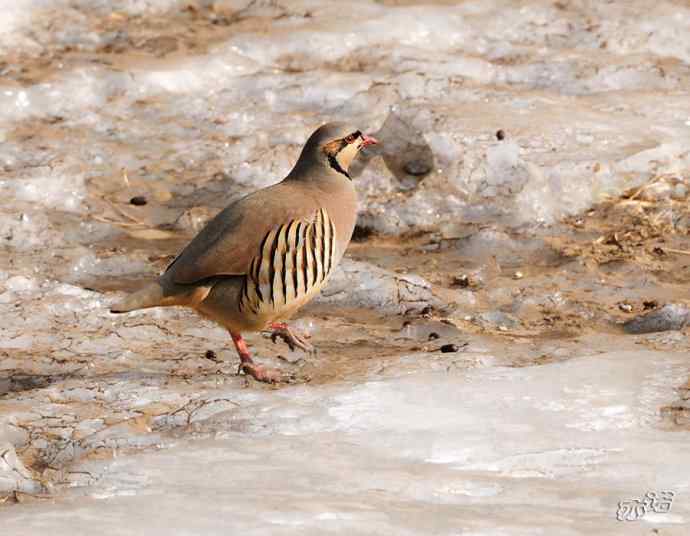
<point>193,219</point>
<point>672,316</point>
<point>499,319</point>
<point>422,329</point>
<point>405,152</point>
<point>14,476</point>
<point>359,284</point>
<point>13,434</point>
<point>418,168</point>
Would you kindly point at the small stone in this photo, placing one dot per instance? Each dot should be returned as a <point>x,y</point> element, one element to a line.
<point>449,348</point>
<point>433,336</point>
<point>500,135</point>
<point>518,275</point>
<point>193,219</point>
<point>495,319</point>
<point>211,356</point>
<point>138,200</point>
<point>461,281</point>
<point>625,307</point>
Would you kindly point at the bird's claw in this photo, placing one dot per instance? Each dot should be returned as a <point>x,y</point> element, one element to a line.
<point>292,339</point>
<point>261,373</point>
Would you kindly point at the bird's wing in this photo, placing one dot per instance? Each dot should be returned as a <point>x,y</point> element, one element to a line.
<point>229,242</point>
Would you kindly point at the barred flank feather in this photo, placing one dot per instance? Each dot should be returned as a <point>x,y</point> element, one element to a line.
<point>294,262</point>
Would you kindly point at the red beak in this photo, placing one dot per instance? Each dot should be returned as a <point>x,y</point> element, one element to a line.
<point>368,140</point>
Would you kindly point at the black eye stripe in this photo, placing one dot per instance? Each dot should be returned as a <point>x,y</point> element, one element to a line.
<point>352,137</point>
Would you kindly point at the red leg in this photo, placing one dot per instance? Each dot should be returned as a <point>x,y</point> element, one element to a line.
<point>291,338</point>
<point>247,365</point>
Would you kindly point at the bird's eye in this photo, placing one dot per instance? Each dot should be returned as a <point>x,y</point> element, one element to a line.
<point>352,137</point>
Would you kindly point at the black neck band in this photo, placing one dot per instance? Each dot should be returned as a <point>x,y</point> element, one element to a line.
<point>333,161</point>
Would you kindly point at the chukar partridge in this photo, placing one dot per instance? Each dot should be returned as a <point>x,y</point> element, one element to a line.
<point>265,256</point>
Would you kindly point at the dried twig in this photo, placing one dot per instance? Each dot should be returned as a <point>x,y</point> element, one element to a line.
<point>677,251</point>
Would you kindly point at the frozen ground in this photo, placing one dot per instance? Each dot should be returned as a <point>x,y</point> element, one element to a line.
<point>494,450</point>
<point>530,196</point>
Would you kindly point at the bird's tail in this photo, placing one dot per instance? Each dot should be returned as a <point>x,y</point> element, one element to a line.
<point>149,296</point>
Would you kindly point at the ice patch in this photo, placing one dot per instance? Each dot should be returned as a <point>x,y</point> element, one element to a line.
<point>480,441</point>
<point>86,263</point>
<point>20,283</point>
<point>62,192</point>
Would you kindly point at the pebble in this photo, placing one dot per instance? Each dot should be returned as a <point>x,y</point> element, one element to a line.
<point>461,281</point>
<point>211,355</point>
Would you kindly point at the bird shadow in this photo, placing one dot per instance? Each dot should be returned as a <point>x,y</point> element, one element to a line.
<point>15,381</point>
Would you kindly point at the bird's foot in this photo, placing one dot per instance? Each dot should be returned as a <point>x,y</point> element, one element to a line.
<point>258,372</point>
<point>294,339</point>
<point>261,373</point>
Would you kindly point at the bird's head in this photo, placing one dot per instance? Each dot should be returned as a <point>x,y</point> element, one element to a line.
<point>335,145</point>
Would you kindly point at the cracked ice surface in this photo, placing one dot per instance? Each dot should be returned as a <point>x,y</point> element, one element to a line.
<point>488,451</point>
